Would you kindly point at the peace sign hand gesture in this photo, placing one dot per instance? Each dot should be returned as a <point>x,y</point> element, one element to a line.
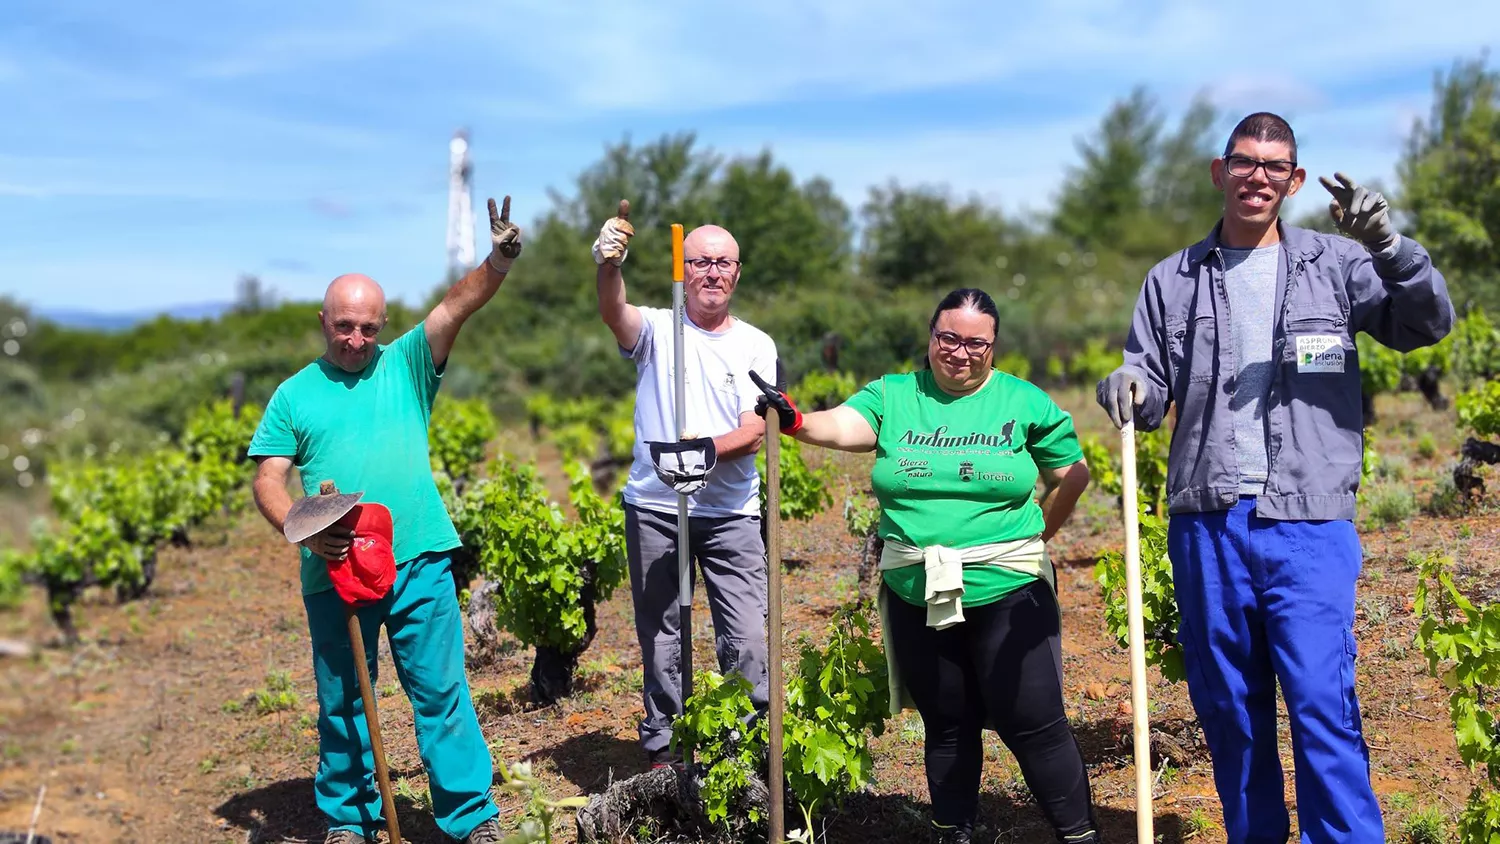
<point>505,237</point>
<point>1360,213</point>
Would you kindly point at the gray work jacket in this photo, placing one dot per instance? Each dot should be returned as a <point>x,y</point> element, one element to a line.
<point>1328,287</point>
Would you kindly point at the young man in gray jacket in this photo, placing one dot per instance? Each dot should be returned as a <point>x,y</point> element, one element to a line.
<point>1250,333</point>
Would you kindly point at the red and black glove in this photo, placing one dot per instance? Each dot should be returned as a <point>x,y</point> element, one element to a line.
<point>790,416</point>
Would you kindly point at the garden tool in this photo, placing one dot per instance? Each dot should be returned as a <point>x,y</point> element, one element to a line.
<point>364,576</point>
<point>1143,819</point>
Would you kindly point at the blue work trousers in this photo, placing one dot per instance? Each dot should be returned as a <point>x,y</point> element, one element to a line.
<point>422,619</point>
<point>1264,601</point>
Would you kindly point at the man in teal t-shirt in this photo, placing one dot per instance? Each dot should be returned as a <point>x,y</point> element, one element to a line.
<point>358,416</point>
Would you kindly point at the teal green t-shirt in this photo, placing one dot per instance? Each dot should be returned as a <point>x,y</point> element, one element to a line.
<point>961,471</point>
<point>365,431</point>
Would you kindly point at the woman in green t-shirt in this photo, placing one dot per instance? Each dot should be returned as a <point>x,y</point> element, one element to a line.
<point>968,605</point>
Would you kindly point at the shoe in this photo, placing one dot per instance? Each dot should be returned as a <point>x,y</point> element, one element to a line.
<point>1081,838</point>
<point>663,758</point>
<point>343,836</point>
<point>951,834</point>
<point>486,833</point>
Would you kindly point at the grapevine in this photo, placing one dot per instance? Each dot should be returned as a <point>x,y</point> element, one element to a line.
<point>1158,599</point>
<point>1462,646</point>
<point>549,570</point>
<point>115,513</point>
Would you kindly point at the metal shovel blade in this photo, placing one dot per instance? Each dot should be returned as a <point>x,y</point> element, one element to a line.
<point>313,513</point>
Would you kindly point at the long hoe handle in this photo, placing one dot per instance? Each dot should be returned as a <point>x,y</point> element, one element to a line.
<point>773,622</point>
<point>372,719</point>
<point>1143,819</point>
<point>684,559</point>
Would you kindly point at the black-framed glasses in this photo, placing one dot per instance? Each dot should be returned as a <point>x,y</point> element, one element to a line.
<point>1278,170</point>
<point>949,342</point>
<point>702,264</point>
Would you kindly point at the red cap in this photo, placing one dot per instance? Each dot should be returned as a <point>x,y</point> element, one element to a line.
<point>366,573</point>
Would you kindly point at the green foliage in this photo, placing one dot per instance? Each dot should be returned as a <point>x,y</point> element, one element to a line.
<point>861,515</point>
<point>1092,364</point>
<point>538,812</point>
<point>114,513</point>
<point>1158,599</point>
<point>13,567</point>
<point>839,698</point>
<point>836,701</point>
<point>1479,409</point>
<point>1426,826</point>
<point>543,562</point>
<point>1448,181</point>
<point>1151,450</point>
<point>585,428</point>
<point>1473,348</point>
<point>1379,366</point>
<point>820,390</point>
<point>457,435</point>
<point>1462,646</point>
<point>713,727</point>
<point>804,491</point>
<point>1014,363</point>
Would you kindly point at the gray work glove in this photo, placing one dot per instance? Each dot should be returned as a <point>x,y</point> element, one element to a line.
<point>1113,394</point>
<point>505,237</point>
<point>1361,213</point>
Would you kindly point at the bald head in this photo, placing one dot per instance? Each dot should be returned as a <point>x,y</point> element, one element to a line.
<point>710,242</point>
<point>353,315</point>
<point>353,290</point>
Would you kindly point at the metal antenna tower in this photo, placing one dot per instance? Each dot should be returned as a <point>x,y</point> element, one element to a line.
<point>460,206</point>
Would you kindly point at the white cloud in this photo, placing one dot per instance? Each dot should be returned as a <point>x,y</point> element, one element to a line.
<point>621,56</point>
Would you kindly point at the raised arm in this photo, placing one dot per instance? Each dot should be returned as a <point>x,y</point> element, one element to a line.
<point>610,249</point>
<point>476,288</point>
<point>1396,295</point>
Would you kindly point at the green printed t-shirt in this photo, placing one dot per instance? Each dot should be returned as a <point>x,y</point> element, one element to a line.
<point>365,431</point>
<point>961,471</point>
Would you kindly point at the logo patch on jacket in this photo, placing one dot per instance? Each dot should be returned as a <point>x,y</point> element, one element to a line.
<point>1320,353</point>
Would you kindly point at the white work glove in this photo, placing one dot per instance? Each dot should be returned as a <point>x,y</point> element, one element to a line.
<point>505,238</point>
<point>614,237</point>
<point>1361,214</point>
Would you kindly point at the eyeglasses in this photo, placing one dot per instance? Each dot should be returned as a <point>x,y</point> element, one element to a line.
<point>369,330</point>
<point>1242,166</point>
<point>702,264</point>
<point>949,342</point>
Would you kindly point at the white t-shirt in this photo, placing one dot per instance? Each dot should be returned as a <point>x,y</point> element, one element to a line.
<point>717,390</point>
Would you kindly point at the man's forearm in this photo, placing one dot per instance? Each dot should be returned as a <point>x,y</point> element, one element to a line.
<point>610,284</point>
<point>474,290</point>
<point>273,501</point>
<point>743,440</point>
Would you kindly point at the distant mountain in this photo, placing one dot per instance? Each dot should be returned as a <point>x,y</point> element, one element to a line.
<point>122,320</point>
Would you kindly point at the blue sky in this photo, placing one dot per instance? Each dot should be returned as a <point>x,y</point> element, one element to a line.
<point>151,152</point>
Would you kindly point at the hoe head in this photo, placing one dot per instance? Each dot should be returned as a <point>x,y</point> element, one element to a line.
<point>313,513</point>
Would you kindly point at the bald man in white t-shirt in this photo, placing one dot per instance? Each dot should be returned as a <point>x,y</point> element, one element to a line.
<point>724,524</point>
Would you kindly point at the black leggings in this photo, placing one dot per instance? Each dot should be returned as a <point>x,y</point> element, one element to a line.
<point>1001,667</point>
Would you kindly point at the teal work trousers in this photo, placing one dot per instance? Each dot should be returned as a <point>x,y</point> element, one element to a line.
<point>424,625</point>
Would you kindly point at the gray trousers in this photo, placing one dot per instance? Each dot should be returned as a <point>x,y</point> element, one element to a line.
<point>732,555</point>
